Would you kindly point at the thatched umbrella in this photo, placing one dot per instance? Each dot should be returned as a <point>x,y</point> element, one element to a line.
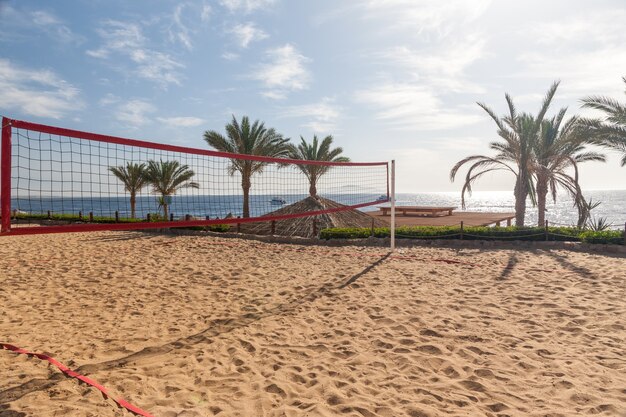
<point>303,226</point>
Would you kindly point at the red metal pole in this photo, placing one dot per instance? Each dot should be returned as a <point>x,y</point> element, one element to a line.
<point>5,176</point>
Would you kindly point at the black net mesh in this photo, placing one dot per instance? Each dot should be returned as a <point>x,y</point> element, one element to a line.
<point>66,179</point>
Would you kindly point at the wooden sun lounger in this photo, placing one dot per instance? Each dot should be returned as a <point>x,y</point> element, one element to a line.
<point>420,211</point>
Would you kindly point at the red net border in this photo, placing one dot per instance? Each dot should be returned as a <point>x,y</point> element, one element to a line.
<point>5,182</point>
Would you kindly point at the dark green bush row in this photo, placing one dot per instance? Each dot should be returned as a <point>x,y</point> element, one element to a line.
<point>154,217</point>
<point>73,218</point>
<point>221,228</point>
<point>568,234</point>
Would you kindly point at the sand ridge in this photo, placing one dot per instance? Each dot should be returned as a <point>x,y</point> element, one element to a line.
<point>197,326</point>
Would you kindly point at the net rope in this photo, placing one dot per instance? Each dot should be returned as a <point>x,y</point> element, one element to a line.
<point>68,178</point>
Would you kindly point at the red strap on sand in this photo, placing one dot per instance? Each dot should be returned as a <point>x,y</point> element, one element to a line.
<point>67,371</point>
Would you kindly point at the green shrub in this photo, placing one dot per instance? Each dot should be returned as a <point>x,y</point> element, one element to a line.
<point>73,218</point>
<point>615,237</point>
<point>509,233</point>
<point>221,228</point>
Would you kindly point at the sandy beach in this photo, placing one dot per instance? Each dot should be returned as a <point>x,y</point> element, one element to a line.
<point>198,326</point>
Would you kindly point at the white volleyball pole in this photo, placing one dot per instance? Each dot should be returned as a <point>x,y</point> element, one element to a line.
<point>393,205</point>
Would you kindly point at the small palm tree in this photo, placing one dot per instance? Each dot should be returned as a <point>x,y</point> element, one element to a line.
<point>248,139</point>
<point>133,177</point>
<point>316,151</point>
<point>166,178</point>
<point>610,132</point>
<point>514,154</point>
<point>558,148</point>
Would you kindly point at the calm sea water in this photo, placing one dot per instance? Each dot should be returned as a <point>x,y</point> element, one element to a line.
<point>612,207</point>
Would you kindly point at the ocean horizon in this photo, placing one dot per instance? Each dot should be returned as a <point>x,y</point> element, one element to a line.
<point>563,213</point>
<point>612,205</point>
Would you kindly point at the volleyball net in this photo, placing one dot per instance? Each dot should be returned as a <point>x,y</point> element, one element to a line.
<point>60,180</point>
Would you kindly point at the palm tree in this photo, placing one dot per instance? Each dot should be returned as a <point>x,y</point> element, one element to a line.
<point>559,147</point>
<point>514,155</point>
<point>133,177</point>
<point>315,151</point>
<point>166,178</point>
<point>248,139</point>
<point>611,132</point>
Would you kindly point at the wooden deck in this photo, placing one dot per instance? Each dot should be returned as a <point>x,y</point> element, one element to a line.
<point>419,211</point>
<point>467,217</point>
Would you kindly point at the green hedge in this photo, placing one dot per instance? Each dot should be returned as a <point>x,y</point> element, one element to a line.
<point>565,234</point>
<point>220,228</point>
<point>154,217</point>
<point>73,218</point>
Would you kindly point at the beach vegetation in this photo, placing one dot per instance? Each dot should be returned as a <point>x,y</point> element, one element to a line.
<point>71,218</point>
<point>514,152</point>
<point>133,176</point>
<point>542,153</point>
<point>610,130</point>
<point>557,150</point>
<point>510,233</point>
<point>248,139</point>
<point>166,178</point>
<point>316,151</point>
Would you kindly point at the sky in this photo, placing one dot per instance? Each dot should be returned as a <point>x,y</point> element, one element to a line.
<point>389,79</point>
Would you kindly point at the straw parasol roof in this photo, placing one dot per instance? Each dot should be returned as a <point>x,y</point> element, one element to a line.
<point>303,226</point>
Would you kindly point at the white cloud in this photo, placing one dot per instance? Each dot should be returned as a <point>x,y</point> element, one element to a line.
<point>578,70</point>
<point>98,53</point>
<point>54,27</point>
<point>246,33</point>
<point>321,116</point>
<point>205,13</point>
<point>283,71</point>
<point>109,99</point>
<point>412,107</point>
<point>274,95</point>
<point>134,113</point>
<point>601,26</point>
<point>424,17</point>
<point>126,39</point>
<point>39,93</point>
<point>246,6</point>
<point>179,31</point>
<point>181,121</point>
<point>440,65</point>
<point>230,56</point>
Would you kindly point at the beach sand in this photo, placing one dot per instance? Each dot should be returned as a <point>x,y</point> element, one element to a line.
<point>199,326</point>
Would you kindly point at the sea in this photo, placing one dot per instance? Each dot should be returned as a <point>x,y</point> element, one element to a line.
<point>562,212</point>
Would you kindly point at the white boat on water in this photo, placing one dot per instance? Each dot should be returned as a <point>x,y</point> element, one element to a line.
<point>278,201</point>
<point>382,198</point>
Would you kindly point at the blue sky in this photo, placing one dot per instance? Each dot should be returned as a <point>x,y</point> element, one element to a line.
<point>389,79</point>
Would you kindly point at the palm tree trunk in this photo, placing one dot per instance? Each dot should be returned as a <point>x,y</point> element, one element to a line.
<point>132,205</point>
<point>165,210</point>
<point>521,192</point>
<point>313,187</point>
<point>245,185</point>
<point>542,192</point>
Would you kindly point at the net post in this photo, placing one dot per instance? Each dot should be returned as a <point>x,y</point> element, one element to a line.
<point>5,176</point>
<point>393,205</point>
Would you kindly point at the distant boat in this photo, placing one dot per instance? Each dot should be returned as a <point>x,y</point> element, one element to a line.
<point>278,201</point>
<point>382,198</point>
